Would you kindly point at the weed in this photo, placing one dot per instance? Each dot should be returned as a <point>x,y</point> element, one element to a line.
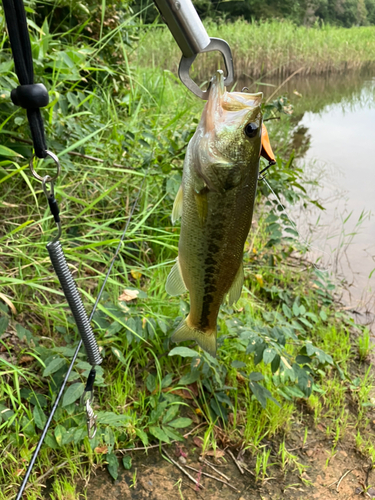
<point>63,490</point>
<point>364,344</point>
<point>290,461</point>
<point>179,484</point>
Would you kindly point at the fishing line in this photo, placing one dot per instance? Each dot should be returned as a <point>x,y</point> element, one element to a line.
<point>308,245</point>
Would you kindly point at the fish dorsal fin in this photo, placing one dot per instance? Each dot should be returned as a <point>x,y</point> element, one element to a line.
<point>235,290</point>
<point>175,283</point>
<point>177,206</point>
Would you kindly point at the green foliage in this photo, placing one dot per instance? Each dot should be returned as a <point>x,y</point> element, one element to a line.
<point>342,13</point>
<point>280,345</point>
<point>113,465</point>
<point>365,346</point>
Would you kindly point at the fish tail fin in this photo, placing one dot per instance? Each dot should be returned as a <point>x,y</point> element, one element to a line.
<point>207,341</point>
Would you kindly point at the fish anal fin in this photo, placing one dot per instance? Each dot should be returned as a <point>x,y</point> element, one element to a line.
<point>175,283</point>
<point>235,290</point>
<point>205,340</point>
<point>177,206</point>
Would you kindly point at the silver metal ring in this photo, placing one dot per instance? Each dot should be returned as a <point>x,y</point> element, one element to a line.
<point>40,178</point>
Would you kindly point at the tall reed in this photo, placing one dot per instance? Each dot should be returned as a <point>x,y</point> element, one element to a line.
<point>270,47</point>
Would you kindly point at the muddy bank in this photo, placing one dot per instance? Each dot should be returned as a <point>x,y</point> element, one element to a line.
<point>343,474</point>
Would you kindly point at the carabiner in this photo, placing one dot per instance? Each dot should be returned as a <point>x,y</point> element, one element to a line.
<point>86,399</point>
<point>45,180</point>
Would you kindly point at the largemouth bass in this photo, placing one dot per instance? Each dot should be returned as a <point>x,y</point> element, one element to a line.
<point>215,203</point>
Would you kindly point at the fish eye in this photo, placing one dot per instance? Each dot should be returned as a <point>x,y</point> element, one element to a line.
<point>251,129</point>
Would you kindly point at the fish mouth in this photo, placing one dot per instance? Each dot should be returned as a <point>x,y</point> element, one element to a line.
<point>231,101</point>
<point>217,83</point>
<point>213,105</point>
<point>220,101</point>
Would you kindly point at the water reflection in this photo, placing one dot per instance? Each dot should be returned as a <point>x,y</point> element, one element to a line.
<point>341,153</point>
<point>334,133</point>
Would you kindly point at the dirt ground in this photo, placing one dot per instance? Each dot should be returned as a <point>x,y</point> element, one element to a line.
<point>344,476</point>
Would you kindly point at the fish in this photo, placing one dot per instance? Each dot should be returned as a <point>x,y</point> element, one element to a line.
<point>215,203</point>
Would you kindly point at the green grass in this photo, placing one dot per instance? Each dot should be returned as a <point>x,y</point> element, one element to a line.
<point>268,48</point>
<point>143,127</point>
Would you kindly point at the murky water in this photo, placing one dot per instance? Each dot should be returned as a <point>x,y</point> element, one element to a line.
<point>335,121</point>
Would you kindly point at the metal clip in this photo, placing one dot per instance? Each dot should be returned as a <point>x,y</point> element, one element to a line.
<point>91,420</point>
<point>191,36</point>
<point>52,204</point>
<point>45,180</point>
<point>86,399</point>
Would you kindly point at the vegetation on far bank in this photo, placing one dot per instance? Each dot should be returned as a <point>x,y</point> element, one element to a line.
<point>284,351</point>
<point>268,48</point>
<point>346,13</point>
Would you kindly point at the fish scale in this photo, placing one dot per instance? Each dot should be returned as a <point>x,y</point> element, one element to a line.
<point>216,202</point>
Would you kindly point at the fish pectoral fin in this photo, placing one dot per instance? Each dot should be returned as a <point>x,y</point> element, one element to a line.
<point>177,206</point>
<point>266,150</point>
<point>235,290</point>
<point>202,206</point>
<point>200,196</point>
<point>175,283</point>
<point>207,341</point>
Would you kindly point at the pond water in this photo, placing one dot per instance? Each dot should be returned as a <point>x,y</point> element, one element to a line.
<point>334,122</point>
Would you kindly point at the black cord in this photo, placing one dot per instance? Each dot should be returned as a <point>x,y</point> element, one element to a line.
<point>21,48</point>
<point>32,97</point>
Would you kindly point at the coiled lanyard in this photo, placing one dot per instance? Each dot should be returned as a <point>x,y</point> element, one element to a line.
<point>32,97</point>
<point>71,293</point>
